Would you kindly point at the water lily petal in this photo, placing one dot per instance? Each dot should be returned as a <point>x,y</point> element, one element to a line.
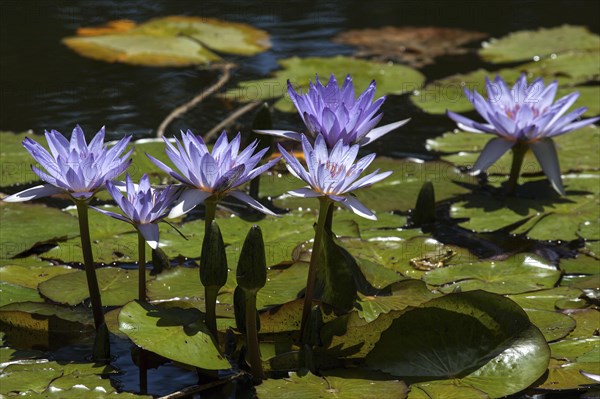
<point>357,207</point>
<point>305,192</point>
<point>252,202</point>
<point>41,191</point>
<point>188,201</point>
<point>381,131</point>
<point>150,233</point>
<point>281,133</point>
<point>545,152</point>
<point>492,151</point>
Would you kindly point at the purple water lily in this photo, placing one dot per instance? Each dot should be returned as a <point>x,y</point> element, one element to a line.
<point>143,206</point>
<point>74,167</point>
<point>215,174</point>
<point>333,173</point>
<point>337,115</point>
<point>525,116</point>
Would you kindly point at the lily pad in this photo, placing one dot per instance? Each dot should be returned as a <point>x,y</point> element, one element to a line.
<point>391,79</point>
<point>46,317</point>
<point>340,387</point>
<point>576,349</point>
<point>172,41</point>
<point>520,273</point>
<point>545,299</point>
<point>576,151</point>
<point>15,162</point>
<point>178,334</point>
<point>21,231</point>
<point>553,325</point>
<point>486,342</point>
<point>525,45</point>
<point>117,287</point>
<point>563,375</point>
<point>588,323</point>
<point>13,293</point>
<point>31,276</point>
<point>444,389</point>
<point>416,46</point>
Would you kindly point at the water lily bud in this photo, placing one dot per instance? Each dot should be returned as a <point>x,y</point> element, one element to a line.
<point>252,266</point>
<point>213,260</point>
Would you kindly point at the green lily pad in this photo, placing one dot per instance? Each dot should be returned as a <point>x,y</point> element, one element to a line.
<point>577,67</point>
<point>525,45</point>
<point>588,323</point>
<point>10,356</point>
<point>553,325</point>
<point>484,340</point>
<point>117,287</point>
<point>31,276</point>
<point>402,295</point>
<point>576,151</point>
<point>37,376</point>
<point>444,389</point>
<point>178,334</point>
<point>171,41</point>
<point>15,162</point>
<point>34,316</point>
<point>576,349</point>
<point>12,293</point>
<point>545,299</point>
<point>391,78</point>
<point>563,375</point>
<point>520,273</point>
<point>21,231</point>
<point>328,386</point>
<point>547,216</point>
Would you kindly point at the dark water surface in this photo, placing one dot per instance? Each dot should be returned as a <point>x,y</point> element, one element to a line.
<point>44,85</point>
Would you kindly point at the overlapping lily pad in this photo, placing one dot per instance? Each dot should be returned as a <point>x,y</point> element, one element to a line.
<point>525,45</point>
<point>481,340</point>
<point>20,227</point>
<point>178,334</point>
<point>391,79</point>
<point>520,273</point>
<point>14,161</point>
<point>171,41</point>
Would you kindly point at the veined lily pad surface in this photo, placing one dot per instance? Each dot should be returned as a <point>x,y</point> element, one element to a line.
<point>169,41</point>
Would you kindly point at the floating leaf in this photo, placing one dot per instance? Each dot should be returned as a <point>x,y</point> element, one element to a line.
<point>525,45</point>
<point>21,231</point>
<point>117,287</point>
<point>576,349</point>
<point>563,375</point>
<point>34,316</point>
<point>484,340</point>
<point>171,41</point>
<point>31,276</point>
<point>588,323</point>
<point>444,389</point>
<point>14,160</point>
<point>553,325</point>
<point>353,386</point>
<point>545,299</point>
<point>178,334</point>
<point>416,46</point>
<point>520,273</point>
<point>391,79</point>
<point>12,293</point>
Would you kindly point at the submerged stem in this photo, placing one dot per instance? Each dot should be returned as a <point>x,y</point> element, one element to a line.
<point>141,267</point>
<point>88,260</point>
<point>325,204</point>
<point>518,150</point>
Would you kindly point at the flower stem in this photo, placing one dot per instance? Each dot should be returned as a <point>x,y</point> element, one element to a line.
<point>141,267</point>
<point>210,209</point>
<point>210,303</point>
<point>325,204</point>
<point>252,336</point>
<point>518,150</point>
<point>88,260</point>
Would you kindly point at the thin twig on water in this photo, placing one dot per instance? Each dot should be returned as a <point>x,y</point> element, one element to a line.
<point>182,109</point>
<point>231,118</point>
<point>199,388</point>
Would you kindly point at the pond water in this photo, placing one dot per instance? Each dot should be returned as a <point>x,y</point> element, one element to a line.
<point>45,85</point>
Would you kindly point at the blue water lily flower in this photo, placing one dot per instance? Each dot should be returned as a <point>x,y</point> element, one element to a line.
<point>333,173</point>
<point>523,117</point>
<point>337,115</point>
<point>142,205</point>
<point>217,174</point>
<point>74,167</point>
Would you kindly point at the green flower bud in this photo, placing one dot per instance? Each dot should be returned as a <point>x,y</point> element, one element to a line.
<point>213,260</point>
<point>252,266</point>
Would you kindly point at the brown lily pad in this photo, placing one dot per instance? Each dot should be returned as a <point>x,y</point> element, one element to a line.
<point>415,46</point>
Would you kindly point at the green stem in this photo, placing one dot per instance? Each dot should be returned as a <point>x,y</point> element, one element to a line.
<point>210,209</point>
<point>325,204</point>
<point>88,260</point>
<point>252,336</point>
<point>518,150</point>
<point>143,366</point>
<point>329,220</point>
<point>210,301</point>
<point>141,267</point>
